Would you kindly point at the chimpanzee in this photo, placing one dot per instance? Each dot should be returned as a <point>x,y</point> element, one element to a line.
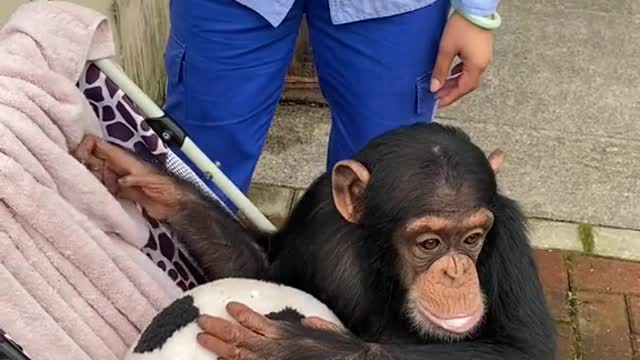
<point>409,243</point>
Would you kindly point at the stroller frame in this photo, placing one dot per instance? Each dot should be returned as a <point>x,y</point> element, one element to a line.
<point>175,137</point>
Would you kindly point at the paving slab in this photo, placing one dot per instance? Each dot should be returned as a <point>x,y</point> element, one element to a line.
<point>274,202</point>
<point>296,148</point>
<point>545,234</point>
<point>617,243</point>
<point>554,174</point>
<point>561,69</point>
<point>562,97</point>
<point>566,176</point>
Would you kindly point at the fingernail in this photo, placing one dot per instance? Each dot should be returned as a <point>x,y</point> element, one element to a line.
<point>435,85</point>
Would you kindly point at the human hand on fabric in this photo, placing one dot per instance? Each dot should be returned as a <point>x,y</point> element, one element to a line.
<point>127,177</point>
<point>474,46</point>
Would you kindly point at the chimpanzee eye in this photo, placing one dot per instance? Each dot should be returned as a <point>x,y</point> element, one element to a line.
<point>473,239</point>
<point>430,244</point>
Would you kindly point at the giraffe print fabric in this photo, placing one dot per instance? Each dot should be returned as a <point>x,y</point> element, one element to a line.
<point>122,124</point>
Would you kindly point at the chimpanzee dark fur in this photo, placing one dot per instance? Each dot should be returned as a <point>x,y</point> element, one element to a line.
<point>351,267</point>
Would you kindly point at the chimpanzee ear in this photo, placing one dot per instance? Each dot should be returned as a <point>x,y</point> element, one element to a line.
<point>496,159</point>
<point>349,179</point>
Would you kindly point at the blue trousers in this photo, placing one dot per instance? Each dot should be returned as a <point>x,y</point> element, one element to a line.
<point>226,67</point>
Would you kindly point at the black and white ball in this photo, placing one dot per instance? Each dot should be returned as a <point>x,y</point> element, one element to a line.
<point>171,335</point>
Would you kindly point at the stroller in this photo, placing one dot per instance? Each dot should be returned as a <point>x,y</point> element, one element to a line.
<point>130,119</point>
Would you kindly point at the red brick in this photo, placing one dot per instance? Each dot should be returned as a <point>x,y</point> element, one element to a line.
<point>565,341</point>
<point>604,326</point>
<point>636,346</point>
<point>634,313</point>
<point>606,275</point>
<point>555,282</point>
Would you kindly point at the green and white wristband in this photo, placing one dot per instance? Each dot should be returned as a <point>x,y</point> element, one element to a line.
<point>491,22</point>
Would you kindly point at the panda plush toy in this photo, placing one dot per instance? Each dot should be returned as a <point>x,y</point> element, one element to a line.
<point>172,333</point>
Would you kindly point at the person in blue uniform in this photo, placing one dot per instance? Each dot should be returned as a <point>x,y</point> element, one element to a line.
<point>381,64</point>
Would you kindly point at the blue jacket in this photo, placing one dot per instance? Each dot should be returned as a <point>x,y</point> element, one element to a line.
<point>345,11</point>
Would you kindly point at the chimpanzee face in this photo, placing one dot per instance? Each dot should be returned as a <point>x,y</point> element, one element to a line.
<point>437,266</point>
<point>436,211</point>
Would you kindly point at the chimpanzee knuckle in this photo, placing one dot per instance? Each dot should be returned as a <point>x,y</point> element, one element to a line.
<point>241,354</point>
<point>273,331</point>
<point>88,141</point>
<point>244,317</point>
<point>84,149</point>
<point>233,334</point>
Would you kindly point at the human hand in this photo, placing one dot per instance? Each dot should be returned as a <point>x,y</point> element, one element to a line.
<point>256,337</point>
<point>127,177</point>
<point>474,46</point>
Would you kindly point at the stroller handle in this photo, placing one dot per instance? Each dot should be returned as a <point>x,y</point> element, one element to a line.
<point>152,111</point>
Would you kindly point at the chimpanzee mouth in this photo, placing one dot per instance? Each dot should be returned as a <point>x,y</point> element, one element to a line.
<point>458,325</point>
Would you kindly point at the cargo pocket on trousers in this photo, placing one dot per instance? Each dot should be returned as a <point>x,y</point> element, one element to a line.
<point>174,61</point>
<point>425,100</point>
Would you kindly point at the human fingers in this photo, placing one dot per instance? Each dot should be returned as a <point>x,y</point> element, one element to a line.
<point>468,81</point>
<point>446,54</point>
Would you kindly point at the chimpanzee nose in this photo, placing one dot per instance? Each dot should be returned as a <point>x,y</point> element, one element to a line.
<point>456,267</point>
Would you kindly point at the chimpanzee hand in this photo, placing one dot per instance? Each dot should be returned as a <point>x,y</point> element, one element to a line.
<point>257,337</point>
<point>129,178</point>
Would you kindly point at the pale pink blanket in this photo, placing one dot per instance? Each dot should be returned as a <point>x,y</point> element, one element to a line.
<point>73,284</point>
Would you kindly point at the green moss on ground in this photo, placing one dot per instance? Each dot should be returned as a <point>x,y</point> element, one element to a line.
<point>586,237</point>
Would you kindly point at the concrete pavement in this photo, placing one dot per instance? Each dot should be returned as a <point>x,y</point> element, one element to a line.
<point>562,98</point>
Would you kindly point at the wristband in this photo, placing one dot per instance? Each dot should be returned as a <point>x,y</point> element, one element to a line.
<point>489,23</point>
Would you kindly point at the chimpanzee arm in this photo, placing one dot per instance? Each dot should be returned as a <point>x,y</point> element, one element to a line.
<point>317,346</point>
<point>305,344</point>
<point>218,242</point>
